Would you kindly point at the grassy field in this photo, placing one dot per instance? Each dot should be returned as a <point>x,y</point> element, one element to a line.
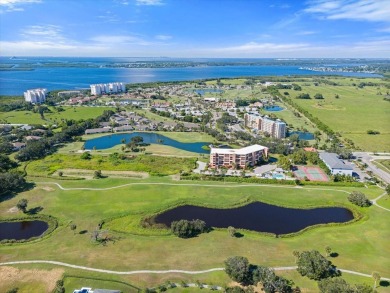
<point>76,113</point>
<point>353,113</point>
<point>361,246</point>
<point>140,163</point>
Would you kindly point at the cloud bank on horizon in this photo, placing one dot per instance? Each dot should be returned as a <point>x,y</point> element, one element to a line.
<point>196,28</point>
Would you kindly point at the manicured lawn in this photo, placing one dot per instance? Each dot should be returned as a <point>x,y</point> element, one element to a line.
<point>384,201</point>
<point>76,113</point>
<point>361,246</point>
<point>356,111</point>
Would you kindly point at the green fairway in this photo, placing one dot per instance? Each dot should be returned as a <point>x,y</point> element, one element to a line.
<point>356,111</point>
<point>135,247</point>
<point>76,113</point>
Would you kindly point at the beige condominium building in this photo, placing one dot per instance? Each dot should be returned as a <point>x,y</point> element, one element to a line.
<point>275,128</point>
<point>242,158</point>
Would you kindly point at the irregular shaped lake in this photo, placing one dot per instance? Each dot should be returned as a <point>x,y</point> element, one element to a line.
<point>108,141</point>
<point>258,217</point>
<point>22,230</point>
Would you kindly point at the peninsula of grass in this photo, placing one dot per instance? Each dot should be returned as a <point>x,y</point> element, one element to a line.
<point>154,165</point>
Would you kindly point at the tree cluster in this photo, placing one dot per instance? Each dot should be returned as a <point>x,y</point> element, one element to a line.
<point>304,96</point>
<point>40,148</point>
<point>336,285</point>
<point>314,265</point>
<point>188,229</point>
<point>240,270</point>
<point>359,199</point>
<point>11,181</point>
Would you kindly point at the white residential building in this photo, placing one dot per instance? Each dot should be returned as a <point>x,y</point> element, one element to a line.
<point>107,88</point>
<point>35,96</point>
<point>275,128</point>
<point>244,157</point>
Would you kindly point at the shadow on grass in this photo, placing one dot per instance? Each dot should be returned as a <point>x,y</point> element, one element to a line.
<point>34,211</point>
<point>238,235</point>
<point>384,283</point>
<point>334,254</point>
<point>83,232</point>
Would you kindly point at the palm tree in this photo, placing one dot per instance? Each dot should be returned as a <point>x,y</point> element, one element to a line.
<point>376,278</point>
<point>296,254</point>
<point>328,250</point>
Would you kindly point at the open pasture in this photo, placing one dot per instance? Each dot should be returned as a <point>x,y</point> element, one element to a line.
<point>353,113</point>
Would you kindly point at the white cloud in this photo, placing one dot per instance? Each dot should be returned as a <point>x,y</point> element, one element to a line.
<point>43,32</point>
<point>163,37</point>
<point>363,49</point>
<point>363,10</point>
<point>118,39</point>
<point>34,48</point>
<point>384,30</point>
<point>305,33</point>
<point>258,48</point>
<point>109,17</point>
<point>14,5</point>
<point>149,2</point>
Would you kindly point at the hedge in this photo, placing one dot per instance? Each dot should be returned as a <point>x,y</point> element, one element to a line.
<point>266,181</point>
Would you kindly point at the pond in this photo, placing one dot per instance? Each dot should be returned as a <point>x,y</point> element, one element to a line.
<point>202,92</point>
<point>302,135</point>
<point>258,217</point>
<point>273,108</point>
<point>108,141</point>
<point>22,230</point>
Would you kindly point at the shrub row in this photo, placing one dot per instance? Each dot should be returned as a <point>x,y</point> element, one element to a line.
<point>266,181</point>
<point>235,179</point>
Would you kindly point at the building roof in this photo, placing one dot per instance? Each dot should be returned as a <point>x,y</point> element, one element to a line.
<point>97,130</point>
<point>242,151</point>
<point>333,162</point>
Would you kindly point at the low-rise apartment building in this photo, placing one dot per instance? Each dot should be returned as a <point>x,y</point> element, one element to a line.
<point>242,158</point>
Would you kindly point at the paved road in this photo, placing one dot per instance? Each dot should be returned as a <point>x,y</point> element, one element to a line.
<point>155,271</point>
<point>368,158</point>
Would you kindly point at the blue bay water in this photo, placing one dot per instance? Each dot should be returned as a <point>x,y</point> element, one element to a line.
<point>68,78</point>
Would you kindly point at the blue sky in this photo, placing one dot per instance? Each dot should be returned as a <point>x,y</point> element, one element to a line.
<point>196,28</point>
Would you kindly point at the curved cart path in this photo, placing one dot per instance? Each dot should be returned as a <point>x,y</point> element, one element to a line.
<point>155,271</point>
<point>374,201</point>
